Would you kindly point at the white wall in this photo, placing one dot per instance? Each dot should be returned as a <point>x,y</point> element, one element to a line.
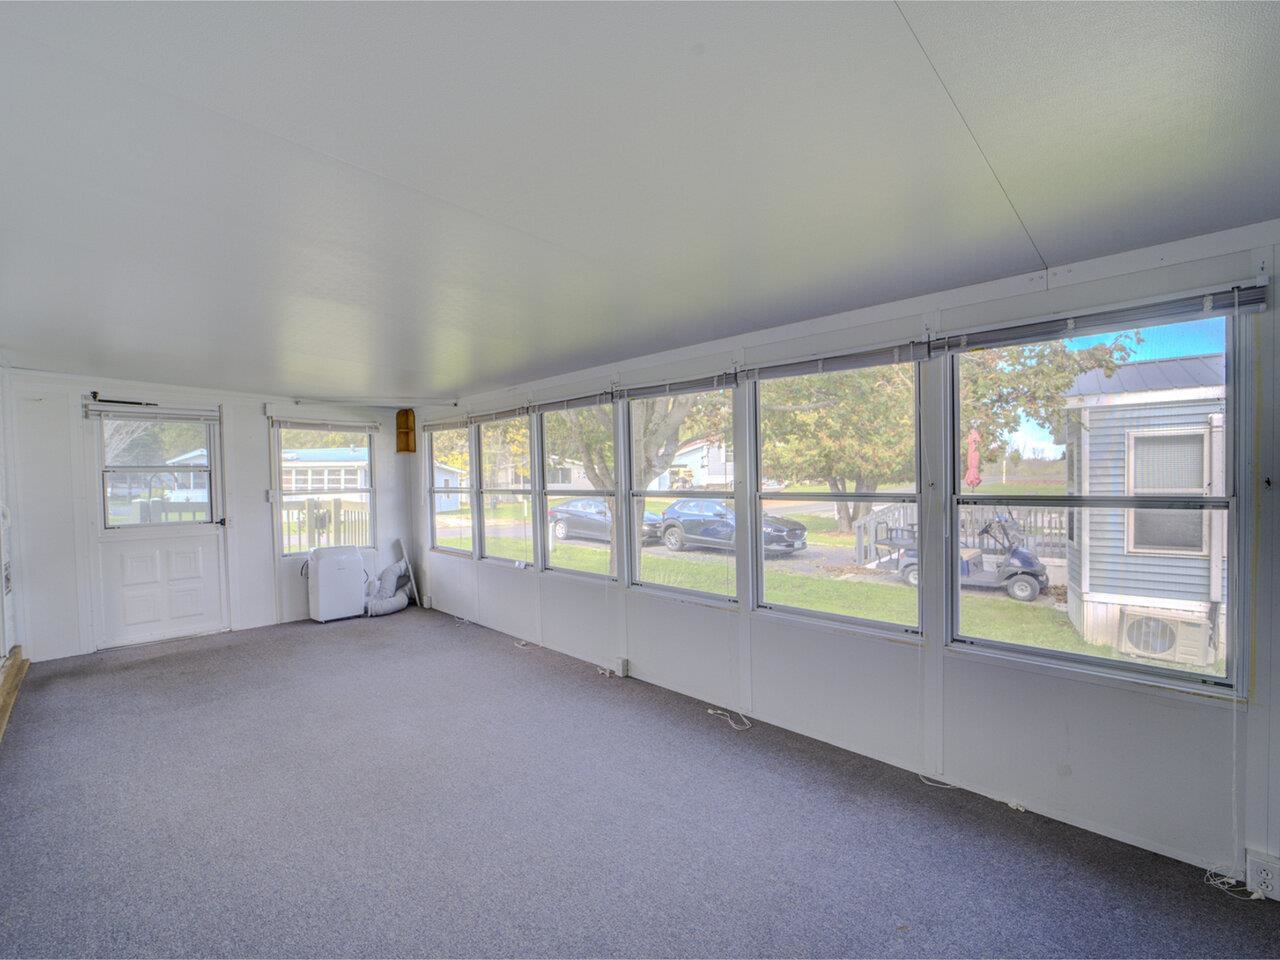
<point>55,516</point>
<point>1192,775</point>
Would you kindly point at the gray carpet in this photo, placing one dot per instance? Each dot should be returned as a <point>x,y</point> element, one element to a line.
<point>415,787</point>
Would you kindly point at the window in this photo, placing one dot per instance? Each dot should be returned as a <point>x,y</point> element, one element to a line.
<point>1093,498</point>
<point>837,504</point>
<point>155,471</point>
<point>449,485</point>
<point>1168,462</point>
<point>682,513</point>
<point>326,488</point>
<point>581,485</point>
<point>506,492</point>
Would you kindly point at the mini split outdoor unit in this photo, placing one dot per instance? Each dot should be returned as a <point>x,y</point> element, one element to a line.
<point>1174,635</point>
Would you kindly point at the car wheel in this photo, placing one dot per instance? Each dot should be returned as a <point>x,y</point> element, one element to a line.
<point>1023,587</point>
<point>561,530</point>
<point>673,537</point>
<point>911,576</point>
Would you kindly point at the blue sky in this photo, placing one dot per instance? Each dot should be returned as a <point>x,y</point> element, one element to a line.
<point>1172,340</point>
<point>1157,343</point>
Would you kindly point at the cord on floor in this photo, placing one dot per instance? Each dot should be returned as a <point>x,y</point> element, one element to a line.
<point>728,715</point>
<point>1229,885</point>
<point>929,781</point>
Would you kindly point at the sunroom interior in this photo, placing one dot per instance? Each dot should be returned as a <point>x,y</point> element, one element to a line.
<point>501,317</point>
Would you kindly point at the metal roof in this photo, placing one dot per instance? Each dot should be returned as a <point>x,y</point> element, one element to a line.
<point>1175,373</point>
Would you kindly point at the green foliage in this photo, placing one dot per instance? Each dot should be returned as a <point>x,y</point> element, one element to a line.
<point>453,449</point>
<point>318,439</point>
<point>583,435</point>
<point>1000,386</point>
<point>852,431</point>
<point>504,452</point>
<point>150,442</point>
<point>661,425</point>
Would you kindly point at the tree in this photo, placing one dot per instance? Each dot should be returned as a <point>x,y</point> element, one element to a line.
<point>1002,386</point>
<point>582,435</point>
<point>659,427</point>
<point>854,431</point>
<point>452,448</point>
<point>320,439</point>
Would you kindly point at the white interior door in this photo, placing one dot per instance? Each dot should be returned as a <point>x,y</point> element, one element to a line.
<point>161,542</point>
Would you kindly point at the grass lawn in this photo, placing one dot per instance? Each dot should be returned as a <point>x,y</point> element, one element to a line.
<point>987,614</point>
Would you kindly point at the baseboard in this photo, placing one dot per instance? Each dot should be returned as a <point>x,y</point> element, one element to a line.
<point>11,674</point>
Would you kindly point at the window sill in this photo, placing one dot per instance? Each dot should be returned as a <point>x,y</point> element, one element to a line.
<point>842,626</point>
<point>453,552</point>
<point>508,562</point>
<point>728,604</point>
<point>584,575</point>
<point>1206,693</point>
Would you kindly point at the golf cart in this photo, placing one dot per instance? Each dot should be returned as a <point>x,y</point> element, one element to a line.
<point>1017,570</point>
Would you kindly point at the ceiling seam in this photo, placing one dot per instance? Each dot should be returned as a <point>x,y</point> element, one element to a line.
<point>262,131</point>
<point>985,159</point>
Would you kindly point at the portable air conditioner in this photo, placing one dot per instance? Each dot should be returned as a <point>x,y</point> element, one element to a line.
<point>335,583</point>
<point>1174,635</point>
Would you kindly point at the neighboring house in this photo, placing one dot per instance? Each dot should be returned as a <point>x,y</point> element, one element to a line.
<point>447,478</point>
<point>1149,583</point>
<point>324,468</point>
<point>567,475</point>
<point>190,487</point>
<point>706,462</point>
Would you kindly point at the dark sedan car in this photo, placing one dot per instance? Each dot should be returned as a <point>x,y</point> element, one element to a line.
<point>711,523</point>
<point>591,518</point>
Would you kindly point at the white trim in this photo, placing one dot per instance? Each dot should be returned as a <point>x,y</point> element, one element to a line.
<point>1131,436</point>
<point>1146,397</point>
<point>1155,603</point>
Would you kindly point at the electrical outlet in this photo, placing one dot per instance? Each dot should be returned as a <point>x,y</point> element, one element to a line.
<point>1262,874</point>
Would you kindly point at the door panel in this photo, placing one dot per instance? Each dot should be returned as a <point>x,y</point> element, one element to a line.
<point>160,587</point>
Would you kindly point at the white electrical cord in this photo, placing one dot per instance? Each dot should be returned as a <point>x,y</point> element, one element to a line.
<point>522,644</point>
<point>929,781</point>
<point>728,715</point>
<point>1229,885</point>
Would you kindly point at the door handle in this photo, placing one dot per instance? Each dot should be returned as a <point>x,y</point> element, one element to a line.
<point>221,521</point>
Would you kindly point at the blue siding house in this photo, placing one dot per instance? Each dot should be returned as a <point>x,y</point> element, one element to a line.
<point>447,478</point>
<point>1149,583</point>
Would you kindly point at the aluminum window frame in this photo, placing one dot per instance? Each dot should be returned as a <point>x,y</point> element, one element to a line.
<point>758,496</point>
<point>1226,503</point>
<point>465,488</point>
<point>635,539</point>
<point>482,491</point>
<point>1131,436</point>
<point>280,495</point>
<point>211,467</point>
<point>542,506</point>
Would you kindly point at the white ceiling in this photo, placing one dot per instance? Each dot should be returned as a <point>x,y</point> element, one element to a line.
<point>421,200</point>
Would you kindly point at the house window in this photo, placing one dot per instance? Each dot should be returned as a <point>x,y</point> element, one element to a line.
<point>580,489</point>
<point>506,491</point>
<point>326,494</point>
<point>683,526</point>
<point>1105,440</point>
<point>1171,463</point>
<point>155,470</point>
<point>449,486</point>
<point>837,507</point>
